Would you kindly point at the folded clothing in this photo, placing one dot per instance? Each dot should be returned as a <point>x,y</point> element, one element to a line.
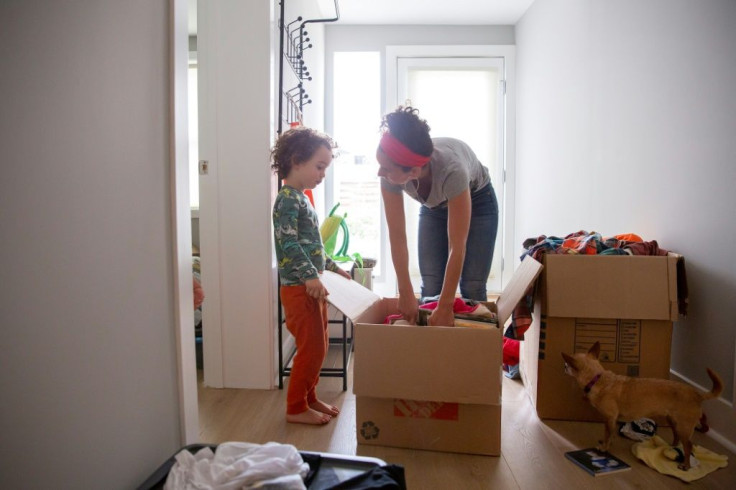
<point>659,455</point>
<point>236,465</point>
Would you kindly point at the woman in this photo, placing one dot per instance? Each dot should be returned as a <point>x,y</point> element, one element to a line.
<point>458,219</point>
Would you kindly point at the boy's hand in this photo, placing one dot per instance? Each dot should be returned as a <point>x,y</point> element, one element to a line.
<point>343,273</point>
<point>315,288</point>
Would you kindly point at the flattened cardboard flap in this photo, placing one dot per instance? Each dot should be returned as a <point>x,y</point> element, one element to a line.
<point>640,287</point>
<point>517,286</point>
<point>348,296</point>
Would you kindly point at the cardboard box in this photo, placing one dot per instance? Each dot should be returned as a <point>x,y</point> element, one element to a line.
<point>435,388</point>
<point>361,276</point>
<point>628,303</point>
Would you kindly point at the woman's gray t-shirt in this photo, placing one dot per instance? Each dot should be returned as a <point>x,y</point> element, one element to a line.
<point>454,168</point>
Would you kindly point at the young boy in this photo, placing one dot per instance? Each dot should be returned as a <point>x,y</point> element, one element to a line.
<point>301,157</point>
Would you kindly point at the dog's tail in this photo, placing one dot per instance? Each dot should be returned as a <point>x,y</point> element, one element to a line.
<point>717,385</point>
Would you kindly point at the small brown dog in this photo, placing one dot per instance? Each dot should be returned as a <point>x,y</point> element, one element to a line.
<point>623,398</point>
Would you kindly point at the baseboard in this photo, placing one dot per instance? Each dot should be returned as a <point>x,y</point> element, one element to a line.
<point>721,416</point>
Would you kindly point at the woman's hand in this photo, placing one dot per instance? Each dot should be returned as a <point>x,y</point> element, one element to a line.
<point>442,317</point>
<point>315,288</point>
<point>343,273</point>
<point>408,307</point>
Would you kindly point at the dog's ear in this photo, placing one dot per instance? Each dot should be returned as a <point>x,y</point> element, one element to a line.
<point>571,361</point>
<point>595,351</point>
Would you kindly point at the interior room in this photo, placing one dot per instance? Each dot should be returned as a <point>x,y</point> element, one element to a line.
<point>617,118</point>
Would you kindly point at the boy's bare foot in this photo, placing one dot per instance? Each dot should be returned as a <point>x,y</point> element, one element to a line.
<point>310,416</point>
<point>323,407</point>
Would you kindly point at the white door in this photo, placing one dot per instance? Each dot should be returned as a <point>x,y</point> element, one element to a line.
<point>461,97</point>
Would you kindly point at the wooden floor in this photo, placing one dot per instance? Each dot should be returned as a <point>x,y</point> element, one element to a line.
<point>532,450</point>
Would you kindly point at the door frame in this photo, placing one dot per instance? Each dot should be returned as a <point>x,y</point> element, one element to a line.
<point>508,53</point>
<point>181,226</point>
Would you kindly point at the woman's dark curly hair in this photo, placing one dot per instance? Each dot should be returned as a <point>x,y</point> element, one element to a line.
<point>406,126</point>
<point>296,146</point>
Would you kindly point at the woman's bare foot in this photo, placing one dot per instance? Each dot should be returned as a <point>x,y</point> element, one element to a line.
<point>323,407</point>
<point>310,416</point>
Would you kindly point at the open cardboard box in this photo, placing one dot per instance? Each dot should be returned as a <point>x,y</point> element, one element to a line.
<point>435,388</point>
<point>628,303</point>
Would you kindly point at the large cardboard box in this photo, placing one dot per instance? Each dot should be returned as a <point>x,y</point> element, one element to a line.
<point>435,388</point>
<point>627,303</point>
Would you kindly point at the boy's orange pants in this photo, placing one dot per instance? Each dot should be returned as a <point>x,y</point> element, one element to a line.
<point>306,319</point>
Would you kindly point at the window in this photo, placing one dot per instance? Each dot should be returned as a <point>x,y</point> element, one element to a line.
<point>461,91</point>
<point>353,182</point>
<point>460,97</point>
<point>465,92</point>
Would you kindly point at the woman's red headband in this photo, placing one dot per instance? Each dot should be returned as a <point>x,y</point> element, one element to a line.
<point>399,153</point>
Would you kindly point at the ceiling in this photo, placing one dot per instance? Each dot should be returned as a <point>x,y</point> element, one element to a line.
<point>426,12</point>
<point>453,12</point>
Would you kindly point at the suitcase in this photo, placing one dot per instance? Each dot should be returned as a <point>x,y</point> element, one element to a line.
<point>325,469</point>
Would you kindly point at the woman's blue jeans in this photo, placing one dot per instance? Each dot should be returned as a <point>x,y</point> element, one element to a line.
<point>433,246</point>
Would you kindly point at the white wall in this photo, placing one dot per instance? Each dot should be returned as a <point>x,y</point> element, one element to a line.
<point>236,127</point>
<point>625,123</point>
<point>88,378</point>
<point>314,57</point>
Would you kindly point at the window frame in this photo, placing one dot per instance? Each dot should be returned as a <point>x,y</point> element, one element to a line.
<point>385,279</point>
<point>391,83</point>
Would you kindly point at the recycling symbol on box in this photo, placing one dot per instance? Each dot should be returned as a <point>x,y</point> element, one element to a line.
<point>369,430</point>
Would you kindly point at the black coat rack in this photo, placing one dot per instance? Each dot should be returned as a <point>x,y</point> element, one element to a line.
<point>293,41</point>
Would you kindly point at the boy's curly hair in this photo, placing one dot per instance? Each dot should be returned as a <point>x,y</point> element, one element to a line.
<point>406,126</point>
<point>295,146</point>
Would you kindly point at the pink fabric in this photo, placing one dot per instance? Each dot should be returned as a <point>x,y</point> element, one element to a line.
<point>459,306</point>
<point>510,351</point>
<point>392,318</point>
<point>399,153</point>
